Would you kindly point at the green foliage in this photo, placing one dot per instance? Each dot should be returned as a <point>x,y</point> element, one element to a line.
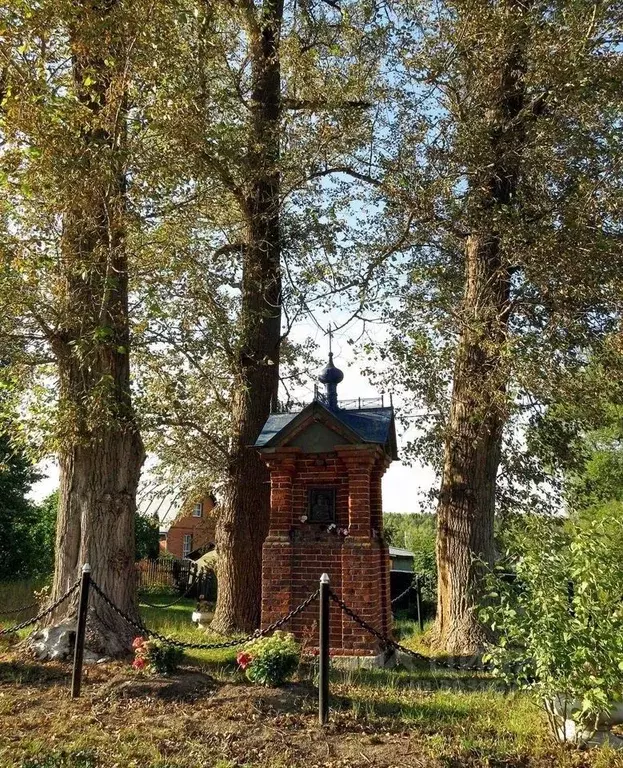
<point>43,534</point>
<point>146,538</point>
<point>26,529</point>
<point>271,660</point>
<point>418,533</point>
<point>559,619</point>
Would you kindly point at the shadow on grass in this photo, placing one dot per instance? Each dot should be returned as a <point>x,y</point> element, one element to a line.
<point>434,712</point>
<point>39,675</point>
<point>421,676</point>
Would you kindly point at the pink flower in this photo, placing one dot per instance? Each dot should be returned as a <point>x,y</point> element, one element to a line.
<point>244,659</point>
<point>138,642</point>
<point>138,663</point>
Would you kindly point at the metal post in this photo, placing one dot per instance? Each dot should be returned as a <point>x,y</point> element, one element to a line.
<point>323,651</point>
<point>76,678</point>
<point>418,602</point>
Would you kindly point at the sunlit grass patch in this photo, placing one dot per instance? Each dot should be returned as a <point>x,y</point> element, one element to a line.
<point>175,622</point>
<point>15,595</point>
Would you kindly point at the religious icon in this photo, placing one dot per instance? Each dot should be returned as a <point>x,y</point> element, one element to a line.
<point>321,505</point>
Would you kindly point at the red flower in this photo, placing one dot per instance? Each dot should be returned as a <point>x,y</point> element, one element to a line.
<point>138,642</point>
<point>244,659</point>
<point>138,663</point>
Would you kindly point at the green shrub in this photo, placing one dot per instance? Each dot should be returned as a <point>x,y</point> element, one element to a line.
<point>559,620</point>
<point>270,660</point>
<point>156,656</point>
<point>418,533</point>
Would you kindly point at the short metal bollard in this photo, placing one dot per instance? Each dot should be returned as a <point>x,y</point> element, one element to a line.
<point>323,652</point>
<point>418,603</point>
<point>76,678</point>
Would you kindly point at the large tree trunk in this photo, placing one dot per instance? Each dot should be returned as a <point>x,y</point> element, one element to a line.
<point>101,451</point>
<point>478,409</point>
<point>97,504</point>
<point>244,517</point>
<point>472,452</point>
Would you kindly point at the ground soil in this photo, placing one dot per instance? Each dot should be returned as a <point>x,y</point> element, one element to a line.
<point>191,719</point>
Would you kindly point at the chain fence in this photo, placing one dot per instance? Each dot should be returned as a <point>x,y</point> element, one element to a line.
<point>390,643</point>
<point>177,600</point>
<point>23,609</point>
<point>387,642</point>
<point>403,594</point>
<point>42,614</point>
<point>140,626</point>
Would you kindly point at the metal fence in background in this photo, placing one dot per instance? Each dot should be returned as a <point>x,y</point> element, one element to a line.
<point>183,576</point>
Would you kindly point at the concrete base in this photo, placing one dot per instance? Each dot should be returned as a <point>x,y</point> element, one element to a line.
<point>362,662</point>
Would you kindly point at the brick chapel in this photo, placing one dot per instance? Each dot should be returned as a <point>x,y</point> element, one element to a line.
<point>326,462</point>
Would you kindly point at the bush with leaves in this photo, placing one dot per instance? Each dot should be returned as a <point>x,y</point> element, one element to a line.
<point>418,533</point>
<point>156,656</point>
<point>270,660</point>
<point>559,618</point>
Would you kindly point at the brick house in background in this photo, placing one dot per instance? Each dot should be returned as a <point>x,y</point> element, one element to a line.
<point>191,531</point>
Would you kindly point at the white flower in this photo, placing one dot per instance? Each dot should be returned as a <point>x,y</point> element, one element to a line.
<point>303,518</point>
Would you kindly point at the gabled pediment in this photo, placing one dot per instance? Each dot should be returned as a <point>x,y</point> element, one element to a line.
<point>315,429</point>
<point>318,429</point>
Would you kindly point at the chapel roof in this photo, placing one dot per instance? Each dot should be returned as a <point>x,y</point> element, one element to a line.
<point>368,425</point>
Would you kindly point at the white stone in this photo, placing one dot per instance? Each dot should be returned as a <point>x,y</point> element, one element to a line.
<point>568,730</point>
<point>54,643</point>
<point>201,619</point>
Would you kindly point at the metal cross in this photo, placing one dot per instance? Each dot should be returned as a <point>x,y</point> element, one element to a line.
<point>330,334</point>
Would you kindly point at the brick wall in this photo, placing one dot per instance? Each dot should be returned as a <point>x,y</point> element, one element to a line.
<point>297,552</point>
<point>200,528</point>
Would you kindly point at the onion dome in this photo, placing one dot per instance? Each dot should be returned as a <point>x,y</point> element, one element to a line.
<point>330,374</point>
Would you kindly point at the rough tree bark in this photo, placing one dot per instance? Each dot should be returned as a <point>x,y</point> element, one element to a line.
<point>245,508</point>
<point>101,450</point>
<point>475,425</point>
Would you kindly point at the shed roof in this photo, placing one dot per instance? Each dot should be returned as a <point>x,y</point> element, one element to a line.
<point>397,552</point>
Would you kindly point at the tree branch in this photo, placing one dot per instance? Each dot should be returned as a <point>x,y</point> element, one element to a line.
<point>315,105</point>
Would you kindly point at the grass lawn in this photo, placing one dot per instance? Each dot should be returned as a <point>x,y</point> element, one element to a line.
<point>208,716</point>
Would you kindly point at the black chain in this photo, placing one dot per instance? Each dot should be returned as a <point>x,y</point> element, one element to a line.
<point>189,589</point>
<point>206,646</point>
<point>424,581</point>
<point>388,642</point>
<point>5,612</point>
<point>45,612</point>
<point>402,594</point>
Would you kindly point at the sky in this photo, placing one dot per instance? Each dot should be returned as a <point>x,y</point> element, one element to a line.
<point>404,486</point>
